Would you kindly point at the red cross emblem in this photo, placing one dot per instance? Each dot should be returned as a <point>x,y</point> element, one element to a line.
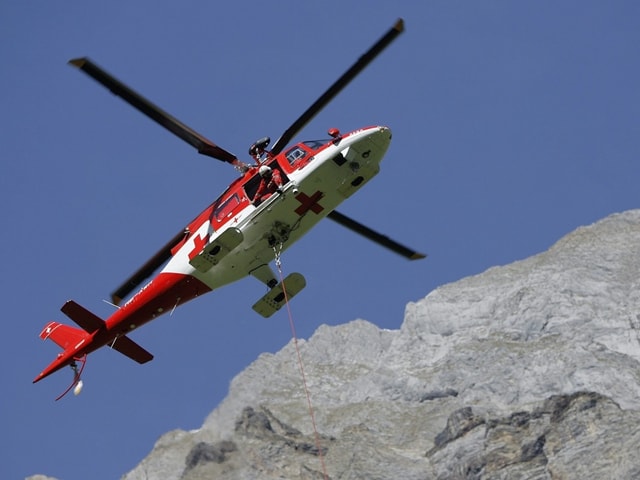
<point>309,203</point>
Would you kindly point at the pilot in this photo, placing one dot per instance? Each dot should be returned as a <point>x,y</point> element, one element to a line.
<point>270,182</point>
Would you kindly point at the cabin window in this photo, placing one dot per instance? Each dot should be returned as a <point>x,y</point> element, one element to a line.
<point>252,185</point>
<point>226,208</point>
<point>295,154</point>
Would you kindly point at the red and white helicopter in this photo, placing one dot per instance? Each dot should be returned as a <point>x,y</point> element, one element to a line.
<point>275,201</point>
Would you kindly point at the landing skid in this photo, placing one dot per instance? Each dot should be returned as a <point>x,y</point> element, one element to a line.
<point>276,297</point>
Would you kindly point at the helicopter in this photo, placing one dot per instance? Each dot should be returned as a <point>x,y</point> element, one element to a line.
<point>277,199</point>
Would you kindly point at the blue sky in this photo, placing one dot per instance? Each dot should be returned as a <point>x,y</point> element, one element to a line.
<point>514,123</point>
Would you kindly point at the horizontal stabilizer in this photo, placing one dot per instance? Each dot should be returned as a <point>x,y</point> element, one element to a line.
<point>131,349</point>
<point>83,317</point>
<point>77,343</point>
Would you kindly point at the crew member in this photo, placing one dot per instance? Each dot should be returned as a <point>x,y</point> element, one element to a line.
<point>270,182</point>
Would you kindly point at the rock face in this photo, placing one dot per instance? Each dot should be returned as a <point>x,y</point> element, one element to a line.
<point>525,371</point>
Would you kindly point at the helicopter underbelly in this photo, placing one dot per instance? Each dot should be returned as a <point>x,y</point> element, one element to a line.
<point>310,195</point>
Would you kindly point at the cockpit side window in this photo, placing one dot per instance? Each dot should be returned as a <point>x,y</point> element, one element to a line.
<point>299,155</point>
<point>295,154</point>
<point>226,208</point>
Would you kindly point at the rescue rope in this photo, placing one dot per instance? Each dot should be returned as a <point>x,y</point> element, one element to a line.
<point>278,262</point>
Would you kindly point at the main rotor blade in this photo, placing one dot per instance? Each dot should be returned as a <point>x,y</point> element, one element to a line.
<point>202,144</point>
<point>147,269</point>
<point>334,89</point>
<point>375,236</point>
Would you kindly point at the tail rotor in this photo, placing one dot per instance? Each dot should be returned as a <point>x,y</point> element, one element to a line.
<point>77,383</point>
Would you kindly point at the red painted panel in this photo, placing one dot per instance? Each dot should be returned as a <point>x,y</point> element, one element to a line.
<point>164,293</point>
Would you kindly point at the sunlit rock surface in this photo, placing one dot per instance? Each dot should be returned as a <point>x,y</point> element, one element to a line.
<point>530,370</point>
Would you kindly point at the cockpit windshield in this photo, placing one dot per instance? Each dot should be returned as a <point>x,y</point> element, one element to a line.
<point>315,144</point>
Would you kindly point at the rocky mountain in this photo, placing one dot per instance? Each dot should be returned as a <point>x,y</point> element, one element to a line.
<point>531,370</point>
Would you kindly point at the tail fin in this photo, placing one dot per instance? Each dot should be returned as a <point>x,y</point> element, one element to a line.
<point>70,339</point>
<point>64,336</point>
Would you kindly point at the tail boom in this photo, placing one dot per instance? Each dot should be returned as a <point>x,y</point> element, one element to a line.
<point>76,342</point>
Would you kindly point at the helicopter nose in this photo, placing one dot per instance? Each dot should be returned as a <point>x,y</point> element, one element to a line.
<point>369,144</point>
<point>382,130</point>
<point>381,136</point>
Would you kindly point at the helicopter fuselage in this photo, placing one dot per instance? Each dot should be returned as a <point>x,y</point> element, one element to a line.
<point>236,236</point>
<point>316,181</point>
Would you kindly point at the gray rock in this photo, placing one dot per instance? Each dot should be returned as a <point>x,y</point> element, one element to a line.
<point>529,370</point>
<point>565,436</point>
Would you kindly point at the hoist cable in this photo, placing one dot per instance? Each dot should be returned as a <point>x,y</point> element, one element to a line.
<point>300,364</point>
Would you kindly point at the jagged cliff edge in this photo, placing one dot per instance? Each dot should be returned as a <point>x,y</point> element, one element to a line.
<point>530,370</point>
